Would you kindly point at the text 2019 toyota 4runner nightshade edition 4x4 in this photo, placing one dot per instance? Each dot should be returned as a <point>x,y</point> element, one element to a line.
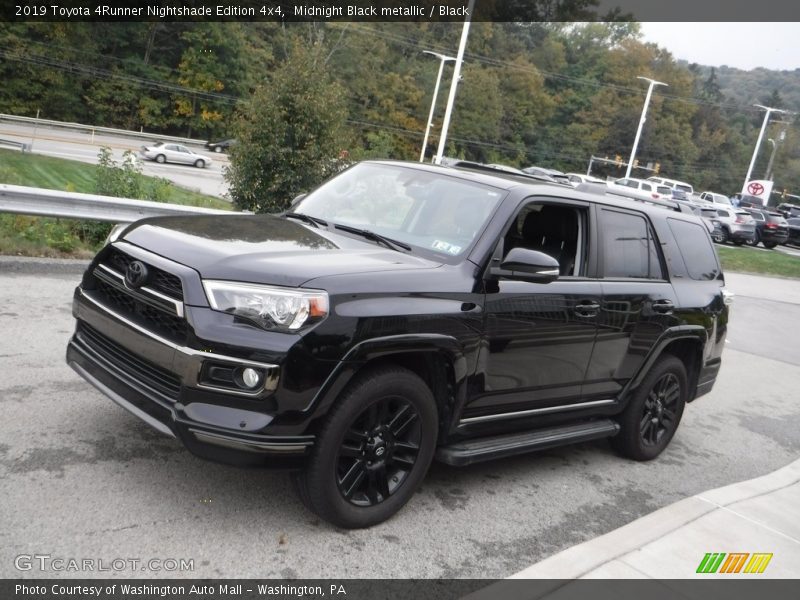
<point>402,312</point>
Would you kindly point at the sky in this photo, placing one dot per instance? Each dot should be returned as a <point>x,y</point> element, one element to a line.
<point>741,45</point>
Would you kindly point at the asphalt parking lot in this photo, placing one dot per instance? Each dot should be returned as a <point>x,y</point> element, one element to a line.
<point>83,479</point>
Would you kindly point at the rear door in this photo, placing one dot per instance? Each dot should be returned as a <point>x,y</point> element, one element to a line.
<point>637,300</point>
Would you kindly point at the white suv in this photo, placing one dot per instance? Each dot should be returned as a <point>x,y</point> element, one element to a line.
<point>640,189</point>
<point>716,198</point>
<point>684,190</point>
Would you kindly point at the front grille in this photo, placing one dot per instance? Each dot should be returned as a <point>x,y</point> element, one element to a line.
<point>163,323</point>
<point>140,371</point>
<point>161,281</point>
<point>146,306</point>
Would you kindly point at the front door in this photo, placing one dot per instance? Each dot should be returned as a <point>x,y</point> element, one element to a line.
<point>539,336</point>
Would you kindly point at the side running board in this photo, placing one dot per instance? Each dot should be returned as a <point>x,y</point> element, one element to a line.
<point>467,452</point>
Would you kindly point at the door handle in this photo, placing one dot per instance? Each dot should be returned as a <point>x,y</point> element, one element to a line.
<point>587,308</point>
<point>664,307</point>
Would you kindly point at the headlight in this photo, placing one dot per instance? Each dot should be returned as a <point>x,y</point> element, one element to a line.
<point>270,308</point>
<point>115,232</point>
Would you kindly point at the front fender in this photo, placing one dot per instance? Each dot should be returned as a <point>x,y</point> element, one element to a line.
<point>383,347</point>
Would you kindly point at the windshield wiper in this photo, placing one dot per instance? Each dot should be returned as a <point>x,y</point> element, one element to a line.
<point>375,237</point>
<point>306,219</point>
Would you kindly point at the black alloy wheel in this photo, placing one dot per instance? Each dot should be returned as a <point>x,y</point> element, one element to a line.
<point>654,411</point>
<point>378,451</point>
<point>374,449</point>
<point>660,408</point>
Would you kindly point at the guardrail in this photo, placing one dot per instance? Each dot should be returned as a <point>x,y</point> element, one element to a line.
<point>21,200</point>
<point>14,144</point>
<point>92,129</point>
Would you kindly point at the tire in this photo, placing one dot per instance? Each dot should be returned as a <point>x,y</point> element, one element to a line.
<point>200,163</point>
<point>754,241</point>
<point>217,149</point>
<point>769,245</point>
<point>161,159</point>
<point>654,411</point>
<point>374,450</point>
<point>724,236</point>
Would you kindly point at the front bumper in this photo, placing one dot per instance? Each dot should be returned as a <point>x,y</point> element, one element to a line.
<point>160,382</point>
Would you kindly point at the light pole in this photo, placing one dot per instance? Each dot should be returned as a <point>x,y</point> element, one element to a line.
<point>443,59</point>
<point>454,84</point>
<point>758,142</point>
<point>653,83</point>
<point>775,144</point>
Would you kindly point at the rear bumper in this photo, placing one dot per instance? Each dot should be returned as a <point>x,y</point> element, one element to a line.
<point>742,235</point>
<point>159,382</point>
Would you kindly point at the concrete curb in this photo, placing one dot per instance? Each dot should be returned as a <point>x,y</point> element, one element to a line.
<point>607,550</point>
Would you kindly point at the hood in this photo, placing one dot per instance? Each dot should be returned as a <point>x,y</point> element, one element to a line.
<point>264,249</point>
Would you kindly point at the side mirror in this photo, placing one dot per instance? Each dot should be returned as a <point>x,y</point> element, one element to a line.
<point>532,265</point>
<point>298,198</point>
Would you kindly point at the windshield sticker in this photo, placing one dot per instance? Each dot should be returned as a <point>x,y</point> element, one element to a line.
<point>445,247</point>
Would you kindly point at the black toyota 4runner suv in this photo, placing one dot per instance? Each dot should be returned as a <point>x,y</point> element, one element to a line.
<point>400,313</point>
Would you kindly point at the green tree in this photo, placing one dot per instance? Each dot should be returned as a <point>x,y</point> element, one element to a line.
<point>290,134</point>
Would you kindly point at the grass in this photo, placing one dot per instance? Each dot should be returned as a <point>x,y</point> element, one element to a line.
<point>72,176</point>
<point>36,236</point>
<point>749,260</point>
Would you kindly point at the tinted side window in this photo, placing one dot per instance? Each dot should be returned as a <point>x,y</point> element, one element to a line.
<point>696,249</point>
<point>629,249</point>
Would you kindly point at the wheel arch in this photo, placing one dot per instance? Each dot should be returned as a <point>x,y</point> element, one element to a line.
<point>686,343</point>
<point>437,359</point>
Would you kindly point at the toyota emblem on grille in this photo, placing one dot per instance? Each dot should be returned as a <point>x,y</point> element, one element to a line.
<point>136,274</point>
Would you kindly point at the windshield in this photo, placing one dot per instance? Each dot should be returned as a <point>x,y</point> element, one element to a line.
<point>431,211</point>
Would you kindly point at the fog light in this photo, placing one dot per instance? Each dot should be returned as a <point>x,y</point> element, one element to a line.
<point>251,378</point>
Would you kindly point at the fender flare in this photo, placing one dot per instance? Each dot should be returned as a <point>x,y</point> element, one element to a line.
<point>381,347</point>
<point>673,334</point>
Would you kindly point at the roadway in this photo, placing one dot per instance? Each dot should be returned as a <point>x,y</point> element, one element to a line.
<point>84,146</point>
<point>84,479</point>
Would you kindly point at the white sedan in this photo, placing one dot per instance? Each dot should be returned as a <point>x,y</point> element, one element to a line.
<point>175,153</point>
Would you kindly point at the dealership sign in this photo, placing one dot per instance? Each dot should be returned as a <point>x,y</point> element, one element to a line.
<point>760,188</point>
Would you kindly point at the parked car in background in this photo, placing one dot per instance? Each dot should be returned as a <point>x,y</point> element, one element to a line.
<point>771,228</point>
<point>709,217</point>
<point>738,225</point>
<point>788,211</point>
<point>715,198</point>
<point>639,189</point>
<point>680,195</point>
<point>578,178</point>
<point>794,231</point>
<point>222,146</point>
<point>747,201</point>
<point>164,152</point>
<point>674,184</point>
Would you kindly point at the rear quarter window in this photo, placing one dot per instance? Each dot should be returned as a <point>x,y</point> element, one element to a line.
<point>696,249</point>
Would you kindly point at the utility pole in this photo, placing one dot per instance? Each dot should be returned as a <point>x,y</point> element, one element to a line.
<point>653,83</point>
<point>443,59</point>
<point>454,84</point>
